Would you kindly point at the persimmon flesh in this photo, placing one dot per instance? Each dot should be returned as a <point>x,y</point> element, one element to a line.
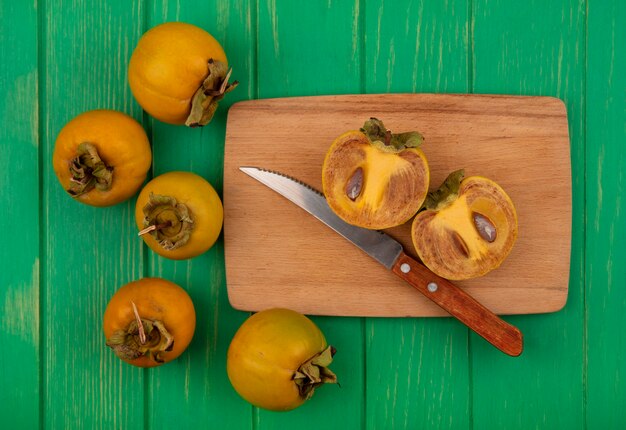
<point>374,179</point>
<point>467,230</point>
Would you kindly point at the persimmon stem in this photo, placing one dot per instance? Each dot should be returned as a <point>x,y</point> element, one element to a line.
<point>225,83</point>
<point>154,227</point>
<point>142,331</point>
<point>164,211</point>
<point>205,100</point>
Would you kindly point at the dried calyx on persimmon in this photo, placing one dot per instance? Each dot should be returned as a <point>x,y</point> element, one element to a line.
<point>178,73</point>
<point>375,179</point>
<point>467,229</point>
<point>101,157</point>
<point>179,215</point>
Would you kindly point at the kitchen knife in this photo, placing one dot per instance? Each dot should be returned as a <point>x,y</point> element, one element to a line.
<point>389,252</point>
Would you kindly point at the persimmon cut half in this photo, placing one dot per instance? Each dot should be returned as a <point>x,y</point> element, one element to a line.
<point>375,179</point>
<point>467,229</point>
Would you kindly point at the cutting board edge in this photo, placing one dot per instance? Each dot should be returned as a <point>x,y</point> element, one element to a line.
<point>556,307</point>
<point>246,103</point>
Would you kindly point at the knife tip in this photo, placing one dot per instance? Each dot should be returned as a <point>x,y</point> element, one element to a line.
<point>248,169</point>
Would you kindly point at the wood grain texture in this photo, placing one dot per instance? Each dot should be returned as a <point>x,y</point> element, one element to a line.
<point>312,48</point>
<point>606,219</point>
<point>412,361</point>
<point>19,182</point>
<point>89,252</point>
<point>536,48</point>
<point>197,383</point>
<point>497,137</point>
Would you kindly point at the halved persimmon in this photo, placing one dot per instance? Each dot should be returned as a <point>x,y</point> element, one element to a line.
<point>468,228</point>
<point>375,179</point>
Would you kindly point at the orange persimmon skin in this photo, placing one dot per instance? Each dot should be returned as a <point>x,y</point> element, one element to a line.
<point>158,300</point>
<point>121,143</point>
<point>168,66</point>
<point>266,351</point>
<point>204,205</point>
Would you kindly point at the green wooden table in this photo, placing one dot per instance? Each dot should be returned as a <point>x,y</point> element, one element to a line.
<point>62,260</point>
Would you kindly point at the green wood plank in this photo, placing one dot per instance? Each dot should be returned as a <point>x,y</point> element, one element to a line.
<point>90,252</point>
<point>536,48</point>
<point>606,218</point>
<point>195,389</point>
<point>19,194</point>
<point>310,48</point>
<point>410,362</point>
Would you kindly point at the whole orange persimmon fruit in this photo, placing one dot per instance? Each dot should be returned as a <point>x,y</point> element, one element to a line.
<point>178,73</point>
<point>149,322</point>
<point>101,157</point>
<point>277,359</point>
<point>179,215</point>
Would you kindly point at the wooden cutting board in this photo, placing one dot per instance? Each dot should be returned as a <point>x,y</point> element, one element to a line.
<point>279,255</point>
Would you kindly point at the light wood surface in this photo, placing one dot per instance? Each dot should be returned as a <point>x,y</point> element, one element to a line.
<point>278,255</point>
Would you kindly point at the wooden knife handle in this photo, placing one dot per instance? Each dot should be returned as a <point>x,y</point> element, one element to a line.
<point>460,305</point>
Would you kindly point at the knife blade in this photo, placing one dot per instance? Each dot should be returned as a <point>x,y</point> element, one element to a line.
<point>390,253</point>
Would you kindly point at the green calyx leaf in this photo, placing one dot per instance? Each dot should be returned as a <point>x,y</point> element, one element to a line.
<point>205,100</point>
<point>88,171</point>
<point>386,141</point>
<point>446,193</point>
<point>315,372</point>
<point>169,222</point>
<point>128,345</point>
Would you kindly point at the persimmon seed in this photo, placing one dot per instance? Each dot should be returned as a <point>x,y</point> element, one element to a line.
<point>355,184</point>
<point>484,227</point>
<point>459,244</point>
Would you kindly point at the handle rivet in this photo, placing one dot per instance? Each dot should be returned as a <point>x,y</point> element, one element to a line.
<point>432,287</point>
<point>405,268</point>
